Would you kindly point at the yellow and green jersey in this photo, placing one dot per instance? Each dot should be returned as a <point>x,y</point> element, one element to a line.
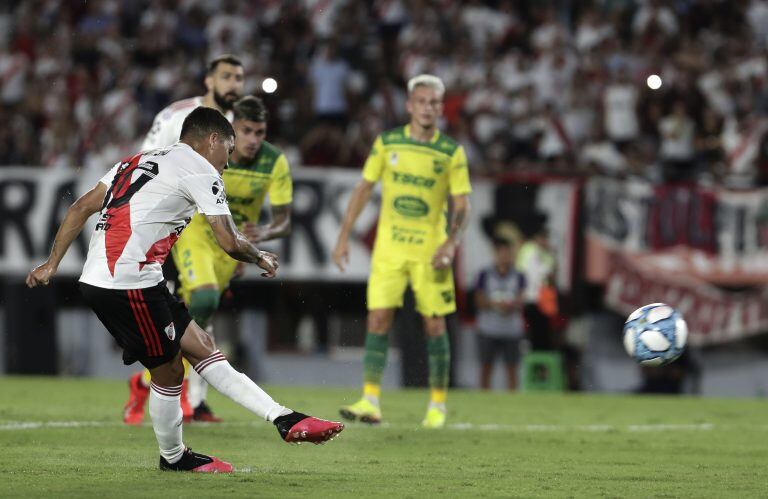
<point>416,178</point>
<point>248,183</point>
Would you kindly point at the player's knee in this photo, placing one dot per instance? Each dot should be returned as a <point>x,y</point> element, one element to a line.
<point>379,321</point>
<point>202,304</point>
<point>207,341</point>
<point>434,326</point>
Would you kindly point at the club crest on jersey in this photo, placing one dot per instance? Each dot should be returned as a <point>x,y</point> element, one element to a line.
<point>218,190</point>
<point>170,331</point>
<point>438,166</point>
<point>393,158</point>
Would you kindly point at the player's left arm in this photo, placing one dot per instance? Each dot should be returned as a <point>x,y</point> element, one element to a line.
<point>280,197</point>
<point>280,226</point>
<point>459,188</point>
<point>444,255</point>
<point>77,214</point>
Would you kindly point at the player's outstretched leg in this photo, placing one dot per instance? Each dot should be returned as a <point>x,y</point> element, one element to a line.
<point>211,364</point>
<point>166,414</point>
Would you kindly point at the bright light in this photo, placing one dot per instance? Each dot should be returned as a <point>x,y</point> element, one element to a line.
<point>269,85</point>
<point>654,82</point>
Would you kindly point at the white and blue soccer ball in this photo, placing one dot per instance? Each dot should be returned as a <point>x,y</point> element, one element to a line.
<point>655,334</point>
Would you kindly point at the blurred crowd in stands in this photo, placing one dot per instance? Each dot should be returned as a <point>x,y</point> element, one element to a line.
<point>554,86</point>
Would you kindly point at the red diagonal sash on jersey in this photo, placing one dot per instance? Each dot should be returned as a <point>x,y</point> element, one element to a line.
<point>158,252</point>
<point>119,217</point>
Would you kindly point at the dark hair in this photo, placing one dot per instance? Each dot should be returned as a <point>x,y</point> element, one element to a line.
<point>250,108</point>
<point>223,59</point>
<point>204,121</point>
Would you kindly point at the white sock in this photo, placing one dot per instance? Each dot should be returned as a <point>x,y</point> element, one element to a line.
<point>165,411</point>
<point>438,405</point>
<point>197,389</point>
<point>223,377</point>
<point>372,399</point>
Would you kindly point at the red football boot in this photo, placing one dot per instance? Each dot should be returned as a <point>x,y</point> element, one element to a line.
<point>186,407</point>
<point>198,463</point>
<point>133,412</point>
<point>297,427</point>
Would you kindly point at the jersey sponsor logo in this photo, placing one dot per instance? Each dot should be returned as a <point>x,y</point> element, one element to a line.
<point>218,190</point>
<point>411,206</point>
<point>410,179</point>
<point>170,331</point>
<point>407,236</point>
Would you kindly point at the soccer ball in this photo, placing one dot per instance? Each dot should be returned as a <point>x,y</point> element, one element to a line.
<point>655,334</point>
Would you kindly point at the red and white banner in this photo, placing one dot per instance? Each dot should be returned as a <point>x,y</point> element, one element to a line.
<point>713,315</point>
<point>718,236</point>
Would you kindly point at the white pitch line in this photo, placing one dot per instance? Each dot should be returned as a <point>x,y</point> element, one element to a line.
<point>584,428</point>
<point>532,428</point>
<point>34,425</point>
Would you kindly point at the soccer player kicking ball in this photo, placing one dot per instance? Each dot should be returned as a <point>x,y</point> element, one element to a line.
<point>144,203</point>
<point>420,169</point>
<point>224,81</point>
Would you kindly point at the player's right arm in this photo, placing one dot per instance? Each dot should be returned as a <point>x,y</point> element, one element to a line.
<point>206,190</point>
<point>77,214</point>
<point>236,245</point>
<point>374,166</point>
<point>360,197</point>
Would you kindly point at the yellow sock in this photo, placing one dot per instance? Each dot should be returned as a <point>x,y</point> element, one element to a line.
<point>371,390</point>
<point>146,377</point>
<point>438,395</point>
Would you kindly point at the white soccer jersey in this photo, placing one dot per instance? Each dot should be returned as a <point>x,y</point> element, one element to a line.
<point>150,199</point>
<point>166,128</point>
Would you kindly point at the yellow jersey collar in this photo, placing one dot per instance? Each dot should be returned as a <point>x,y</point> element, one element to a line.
<point>407,133</point>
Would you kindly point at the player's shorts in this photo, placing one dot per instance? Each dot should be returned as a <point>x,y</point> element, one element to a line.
<point>488,347</point>
<point>201,261</point>
<point>433,289</point>
<point>147,323</point>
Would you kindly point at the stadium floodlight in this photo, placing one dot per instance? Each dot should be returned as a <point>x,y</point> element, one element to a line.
<point>269,85</point>
<point>654,82</point>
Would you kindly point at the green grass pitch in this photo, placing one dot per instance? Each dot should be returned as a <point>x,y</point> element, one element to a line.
<point>63,438</point>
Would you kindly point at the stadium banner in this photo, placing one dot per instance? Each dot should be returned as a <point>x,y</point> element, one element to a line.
<point>33,202</point>
<point>713,235</point>
<point>713,315</point>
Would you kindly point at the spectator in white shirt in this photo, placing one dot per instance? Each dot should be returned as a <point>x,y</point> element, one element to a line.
<point>620,110</point>
<point>677,146</point>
